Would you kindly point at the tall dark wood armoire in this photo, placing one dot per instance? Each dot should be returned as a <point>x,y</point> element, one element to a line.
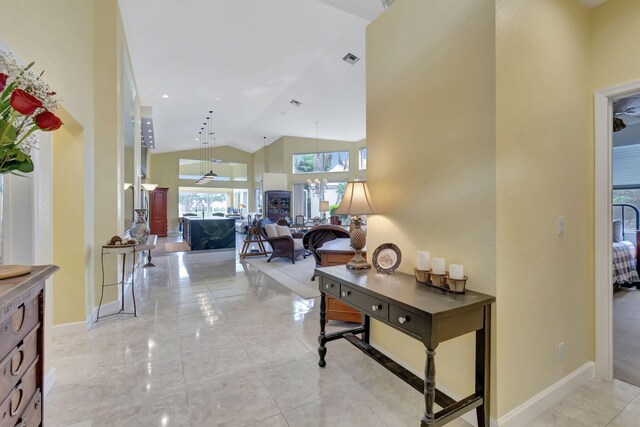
<point>158,215</point>
<point>278,204</point>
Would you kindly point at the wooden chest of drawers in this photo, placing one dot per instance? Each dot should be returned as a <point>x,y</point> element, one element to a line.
<point>22,348</point>
<point>339,252</point>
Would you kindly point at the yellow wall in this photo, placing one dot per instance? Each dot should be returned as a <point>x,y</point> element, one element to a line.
<point>68,225</point>
<point>544,170</point>
<point>615,29</point>
<point>431,147</point>
<point>164,171</point>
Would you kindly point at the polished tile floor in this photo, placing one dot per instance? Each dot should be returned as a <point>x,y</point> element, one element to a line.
<point>218,343</point>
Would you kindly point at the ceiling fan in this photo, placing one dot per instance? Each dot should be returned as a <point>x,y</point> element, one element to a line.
<point>626,112</point>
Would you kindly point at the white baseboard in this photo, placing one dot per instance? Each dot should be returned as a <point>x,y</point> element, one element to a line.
<point>49,381</point>
<point>107,308</point>
<point>469,417</point>
<point>68,328</point>
<point>548,397</point>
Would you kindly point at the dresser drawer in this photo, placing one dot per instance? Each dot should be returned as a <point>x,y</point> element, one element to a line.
<point>18,325</point>
<point>19,397</point>
<point>407,320</point>
<point>369,304</point>
<point>330,287</point>
<point>17,361</point>
<point>32,416</point>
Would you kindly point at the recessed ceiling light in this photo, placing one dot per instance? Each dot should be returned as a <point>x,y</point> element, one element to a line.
<point>148,123</point>
<point>218,98</point>
<point>197,139</point>
<point>148,130</point>
<point>295,102</point>
<point>165,96</point>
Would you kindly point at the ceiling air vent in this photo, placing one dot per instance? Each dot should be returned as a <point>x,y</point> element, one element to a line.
<point>350,58</point>
<point>296,103</point>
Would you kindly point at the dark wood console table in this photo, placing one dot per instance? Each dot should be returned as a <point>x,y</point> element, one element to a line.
<point>422,312</point>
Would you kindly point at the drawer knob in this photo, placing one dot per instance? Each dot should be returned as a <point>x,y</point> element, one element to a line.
<point>346,293</point>
<point>403,319</point>
<point>376,307</point>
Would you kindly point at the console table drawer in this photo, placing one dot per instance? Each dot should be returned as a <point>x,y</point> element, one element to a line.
<point>32,416</point>
<point>18,325</point>
<point>407,320</point>
<point>371,305</point>
<point>331,287</point>
<point>18,400</point>
<point>17,361</point>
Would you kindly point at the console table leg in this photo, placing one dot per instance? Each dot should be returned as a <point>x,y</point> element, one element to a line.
<point>429,416</point>
<point>367,328</point>
<point>322,350</point>
<point>483,368</point>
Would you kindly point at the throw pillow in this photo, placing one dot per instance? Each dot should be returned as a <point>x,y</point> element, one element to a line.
<point>283,230</point>
<point>617,231</point>
<point>271,230</point>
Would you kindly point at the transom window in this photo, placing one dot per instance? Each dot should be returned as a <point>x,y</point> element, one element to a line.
<point>334,161</point>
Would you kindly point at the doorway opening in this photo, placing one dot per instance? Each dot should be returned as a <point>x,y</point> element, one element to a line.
<point>617,221</point>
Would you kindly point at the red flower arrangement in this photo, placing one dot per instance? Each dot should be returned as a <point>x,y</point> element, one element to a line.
<point>26,103</point>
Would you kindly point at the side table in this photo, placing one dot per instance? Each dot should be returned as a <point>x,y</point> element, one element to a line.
<point>119,250</point>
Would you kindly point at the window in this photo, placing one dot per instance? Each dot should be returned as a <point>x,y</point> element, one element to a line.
<point>362,158</point>
<point>226,171</point>
<point>630,197</point>
<point>208,200</point>
<point>307,202</point>
<point>336,161</point>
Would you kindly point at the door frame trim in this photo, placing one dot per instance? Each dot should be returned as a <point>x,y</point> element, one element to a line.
<point>603,141</point>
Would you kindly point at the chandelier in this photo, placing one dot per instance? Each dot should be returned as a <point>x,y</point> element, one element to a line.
<point>317,187</point>
<point>206,150</point>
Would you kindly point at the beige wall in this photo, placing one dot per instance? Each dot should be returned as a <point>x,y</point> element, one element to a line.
<point>68,225</point>
<point>544,170</point>
<point>431,147</point>
<point>164,171</point>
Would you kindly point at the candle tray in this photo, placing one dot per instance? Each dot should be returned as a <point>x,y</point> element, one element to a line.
<point>422,276</point>
<point>457,285</point>
<point>441,281</point>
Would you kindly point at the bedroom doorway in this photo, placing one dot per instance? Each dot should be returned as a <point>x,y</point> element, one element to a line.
<point>625,163</point>
<point>617,235</point>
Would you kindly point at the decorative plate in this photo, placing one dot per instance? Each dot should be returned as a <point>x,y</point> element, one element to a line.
<point>386,258</point>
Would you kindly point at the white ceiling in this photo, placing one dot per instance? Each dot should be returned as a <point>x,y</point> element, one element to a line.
<point>257,56</point>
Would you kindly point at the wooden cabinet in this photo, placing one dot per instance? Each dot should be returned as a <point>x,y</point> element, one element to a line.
<point>278,204</point>
<point>158,215</point>
<point>339,252</point>
<point>22,348</point>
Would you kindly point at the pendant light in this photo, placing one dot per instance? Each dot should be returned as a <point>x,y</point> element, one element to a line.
<point>210,176</point>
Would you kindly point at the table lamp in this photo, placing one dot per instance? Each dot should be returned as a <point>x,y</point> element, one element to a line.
<point>355,202</point>
<point>324,208</point>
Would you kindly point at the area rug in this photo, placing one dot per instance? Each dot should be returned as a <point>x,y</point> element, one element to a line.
<point>296,277</point>
<point>177,247</point>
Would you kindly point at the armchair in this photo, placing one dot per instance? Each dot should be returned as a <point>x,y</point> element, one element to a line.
<point>318,236</point>
<point>283,243</point>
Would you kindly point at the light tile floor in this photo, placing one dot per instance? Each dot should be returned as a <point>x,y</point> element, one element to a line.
<point>218,343</point>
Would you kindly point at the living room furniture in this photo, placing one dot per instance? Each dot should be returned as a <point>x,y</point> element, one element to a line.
<point>22,347</point>
<point>158,218</point>
<point>278,204</point>
<point>254,237</point>
<point>209,233</point>
<point>357,201</point>
<point>419,311</point>
<point>123,250</point>
<point>284,244</point>
<point>317,236</point>
<point>338,252</point>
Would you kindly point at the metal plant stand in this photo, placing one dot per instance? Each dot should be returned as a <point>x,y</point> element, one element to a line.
<point>122,250</point>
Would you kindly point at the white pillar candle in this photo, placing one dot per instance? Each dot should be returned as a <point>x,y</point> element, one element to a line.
<point>456,271</point>
<point>437,265</point>
<point>424,259</point>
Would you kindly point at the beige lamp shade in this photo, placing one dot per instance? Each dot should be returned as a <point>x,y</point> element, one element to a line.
<point>356,200</point>
<point>127,185</point>
<point>324,206</point>
<point>242,206</point>
<point>149,187</point>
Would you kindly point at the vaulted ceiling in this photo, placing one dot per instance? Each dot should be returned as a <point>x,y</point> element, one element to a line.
<point>246,60</point>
